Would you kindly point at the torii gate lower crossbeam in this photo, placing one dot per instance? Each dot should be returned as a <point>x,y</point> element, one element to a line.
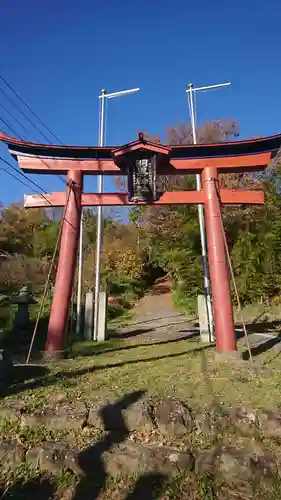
<point>209,160</point>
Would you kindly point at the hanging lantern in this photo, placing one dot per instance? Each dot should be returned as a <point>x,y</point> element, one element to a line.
<point>142,179</point>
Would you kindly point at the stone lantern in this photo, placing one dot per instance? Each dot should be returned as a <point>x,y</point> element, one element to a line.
<point>23,300</point>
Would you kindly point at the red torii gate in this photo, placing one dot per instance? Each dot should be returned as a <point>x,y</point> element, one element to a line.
<point>208,159</point>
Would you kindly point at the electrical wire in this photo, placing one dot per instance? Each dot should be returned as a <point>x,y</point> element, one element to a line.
<point>43,161</point>
<point>7,124</point>
<point>19,180</point>
<point>36,116</point>
<point>25,177</point>
<point>30,109</point>
<point>19,135</point>
<point>24,114</point>
<point>35,184</point>
<point>13,117</point>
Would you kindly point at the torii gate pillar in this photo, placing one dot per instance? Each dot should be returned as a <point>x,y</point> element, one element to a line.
<point>66,266</point>
<point>225,330</point>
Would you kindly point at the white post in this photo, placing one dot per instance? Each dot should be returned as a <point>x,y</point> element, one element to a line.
<point>99,223</point>
<point>103,97</point>
<point>207,287</point>
<point>79,287</point>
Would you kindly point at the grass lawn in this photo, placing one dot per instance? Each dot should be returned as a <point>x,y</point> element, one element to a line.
<point>183,368</point>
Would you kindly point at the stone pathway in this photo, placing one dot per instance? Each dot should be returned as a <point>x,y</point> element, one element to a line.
<point>156,320</point>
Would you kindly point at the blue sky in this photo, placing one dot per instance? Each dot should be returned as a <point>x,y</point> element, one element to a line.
<point>59,54</point>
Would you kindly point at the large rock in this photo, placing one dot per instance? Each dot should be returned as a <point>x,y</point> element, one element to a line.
<point>11,453</point>
<point>244,421</point>
<point>64,416</point>
<point>127,458</point>
<point>241,420</point>
<point>270,424</point>
<point>234,465</point>
<point>12,410</point>
<point>53,456</point>
<point>131,458</point>
<point>105,416</point>
<point>173,417</point>
<point>138,416</point>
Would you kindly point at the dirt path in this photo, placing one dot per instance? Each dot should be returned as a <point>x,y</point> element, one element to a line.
<point>156,319</point>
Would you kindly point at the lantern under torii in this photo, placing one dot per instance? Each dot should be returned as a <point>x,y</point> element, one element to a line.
<point>141,160</point>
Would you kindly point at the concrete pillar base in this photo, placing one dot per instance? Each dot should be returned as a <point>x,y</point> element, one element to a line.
<point>102,324</point>
<point>89,315</point>
<point>203,319</point>
<point>229,356</point>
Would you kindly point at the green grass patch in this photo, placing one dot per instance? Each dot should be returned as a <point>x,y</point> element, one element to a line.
<point>184,303</point>
<point>184,369</point>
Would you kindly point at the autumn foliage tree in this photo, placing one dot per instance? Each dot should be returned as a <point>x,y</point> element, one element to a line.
<point>252,231</point>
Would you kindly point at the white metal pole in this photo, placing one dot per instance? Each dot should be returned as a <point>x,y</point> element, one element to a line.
<point>103,97</point>
<point>207,286</point>
<point>79,287</point>
<point>99,222</point>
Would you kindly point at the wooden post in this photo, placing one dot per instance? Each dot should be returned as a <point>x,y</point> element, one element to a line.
<point>66,265</point>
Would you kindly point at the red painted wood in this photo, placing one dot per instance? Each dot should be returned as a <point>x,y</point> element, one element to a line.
<point>176,166</point>
<point>227,196</point>
<point>66,265</point>
<point>223,164</point>
<point>50,166</point>
<point>47,200</point>
<point>231,196</point>
<point>223,316</point>
<point>163,149</point>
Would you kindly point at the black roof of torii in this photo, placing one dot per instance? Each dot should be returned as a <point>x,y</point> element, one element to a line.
<point>236,148</point>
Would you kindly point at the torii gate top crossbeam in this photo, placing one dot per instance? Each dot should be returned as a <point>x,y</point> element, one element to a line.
<point>250,155</point>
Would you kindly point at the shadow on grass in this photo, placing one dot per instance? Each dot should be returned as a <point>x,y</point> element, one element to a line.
<point>94,348</point>
<point>263,344</point>
<point>17,376</point>
<point>65,375</point>
<point>263,327</point>
<point>262,347</point>
<point>92,464</point>
<point>130,334</point>
<point>148,487</point>
<point>24,489</point>
<point>91,460</point>
<point>16,343</point>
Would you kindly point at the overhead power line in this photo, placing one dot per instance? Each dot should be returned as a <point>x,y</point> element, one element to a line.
<point>25,177</point>
<point>24,114</point>
<point>41,159</point>
<point>7,124</point>
<point>35,126</point>
<point>34,183</point>
<point>13,117</point>
<point>30,109</point>
<point>30,121</point>
<point>17,179</point>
